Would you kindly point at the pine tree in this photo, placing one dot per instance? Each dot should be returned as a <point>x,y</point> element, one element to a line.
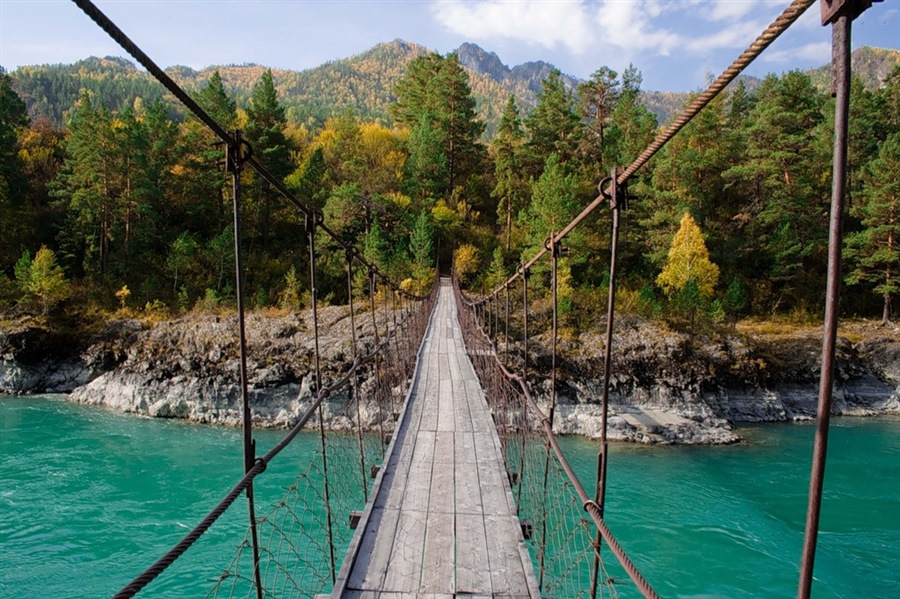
<point>435,101</point>
<point>553,205</point>
<point>421,241</point>
<point>596,99</point>
<point>785,187</point>
<point>13,185</point>
<point>631,125</point>
<point>265,132</point>
<point>507,147</point>
<point>875,251</point>
<point>553,127</point>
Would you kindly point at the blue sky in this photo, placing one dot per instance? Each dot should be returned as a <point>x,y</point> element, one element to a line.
<point>675,43</point>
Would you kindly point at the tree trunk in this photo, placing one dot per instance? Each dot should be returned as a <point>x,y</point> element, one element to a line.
<point>886,314</point>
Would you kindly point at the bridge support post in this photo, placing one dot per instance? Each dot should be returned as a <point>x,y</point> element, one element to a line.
<point>618,199</point>
<point>840,14</point>
<point>234,162</point>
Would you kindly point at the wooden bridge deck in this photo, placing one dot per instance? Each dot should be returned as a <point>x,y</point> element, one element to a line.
<point>441,520</point>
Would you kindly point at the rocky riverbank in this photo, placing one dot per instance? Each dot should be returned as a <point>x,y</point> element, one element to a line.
<point>666,387</point>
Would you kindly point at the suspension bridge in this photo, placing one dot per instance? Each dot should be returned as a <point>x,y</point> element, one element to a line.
<point>464,490</point>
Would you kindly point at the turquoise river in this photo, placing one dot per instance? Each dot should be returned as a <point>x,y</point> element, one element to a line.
<point>90,497</point>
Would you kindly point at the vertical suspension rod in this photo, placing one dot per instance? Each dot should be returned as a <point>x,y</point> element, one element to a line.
<point>554,257</point>
<point>234,162</point>
<point>840,31</point>
<point>354,382</point>
<point>378,385</point>
<point>602,455</point>
<point>525,275</point>
<point>311,222</point>
<point>506,328</point>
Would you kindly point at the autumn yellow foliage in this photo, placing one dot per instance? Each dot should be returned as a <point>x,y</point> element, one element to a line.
<point>465,261</point>
<point>688,261</point>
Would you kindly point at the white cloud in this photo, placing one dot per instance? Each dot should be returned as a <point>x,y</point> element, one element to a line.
<point>548,24</point>
<point>816,51</point>
<point>649,27</point>
<point>628,25</point>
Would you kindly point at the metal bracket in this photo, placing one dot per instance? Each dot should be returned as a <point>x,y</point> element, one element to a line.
<point>237,153</point>
<point>619,196</point>
<point>832,9</point>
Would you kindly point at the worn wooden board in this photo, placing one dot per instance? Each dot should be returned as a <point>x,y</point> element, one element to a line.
<point>473,574</point>
<point>443,525</point>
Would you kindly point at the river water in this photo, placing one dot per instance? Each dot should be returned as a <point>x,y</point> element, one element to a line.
<point>90,497</point>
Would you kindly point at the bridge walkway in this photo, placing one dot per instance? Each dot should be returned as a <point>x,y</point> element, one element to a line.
<point>441,520</point>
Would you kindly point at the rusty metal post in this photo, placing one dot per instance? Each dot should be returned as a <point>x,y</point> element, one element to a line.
<point>376,366</point>
<point>234,162</point>
<point>554,259</point>
<point>354,382</point>
<point>525,274</point>
<point>506,329</point>
<point>840,31</point>
<point>616,203</point>
<point>312,220</point>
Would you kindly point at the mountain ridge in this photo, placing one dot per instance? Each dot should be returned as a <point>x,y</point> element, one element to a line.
<point>362,82</point>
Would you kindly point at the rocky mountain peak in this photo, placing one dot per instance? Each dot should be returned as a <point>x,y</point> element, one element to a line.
<point>475,58</point>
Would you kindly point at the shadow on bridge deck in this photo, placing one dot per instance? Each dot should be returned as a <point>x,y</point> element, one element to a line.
<point>442,520</point>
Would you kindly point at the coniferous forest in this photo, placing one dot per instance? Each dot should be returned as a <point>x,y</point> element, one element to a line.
<point>115,198</point>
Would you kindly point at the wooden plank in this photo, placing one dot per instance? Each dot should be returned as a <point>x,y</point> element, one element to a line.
<point>444,447</point>
<point>375,551</point>
<point>461,407</point>
<point>418,488</point>
<point>504,557</point>
<point>473,573</point>
<point>442,489</point>
<point>404,571</point>
<point>493,490</point>
<point>438,575</point>
<point>468,489</point>
<point>464,450</point>
<point>446,416</point>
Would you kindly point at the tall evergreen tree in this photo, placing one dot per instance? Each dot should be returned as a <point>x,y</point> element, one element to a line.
<point>631,126</point>
<point>13,184</point>
<point>265,132</point>
<point>434,100</point>
<point>785,186</point>
<point>511,187</point>
<point>874,252</point>
<point>596,99</point>
<point>553,126</point>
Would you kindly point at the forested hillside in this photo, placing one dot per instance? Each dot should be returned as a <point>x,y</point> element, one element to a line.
<point>123,202</point>
<point>361,83</point>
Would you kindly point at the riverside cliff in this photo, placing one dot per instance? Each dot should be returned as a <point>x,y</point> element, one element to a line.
<point>666,387</point>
